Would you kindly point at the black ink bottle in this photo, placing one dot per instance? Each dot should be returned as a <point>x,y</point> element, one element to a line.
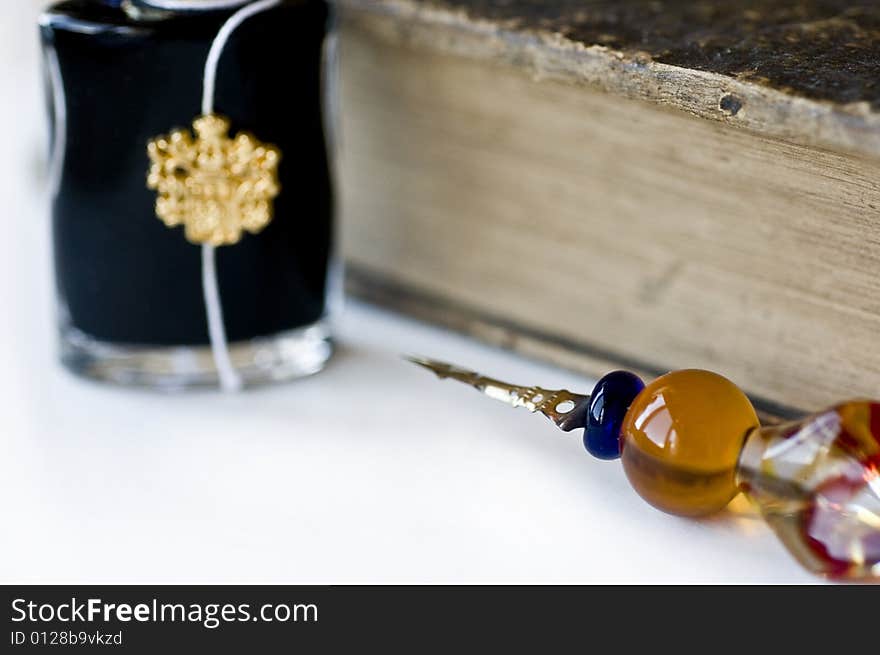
<point>191,175</point>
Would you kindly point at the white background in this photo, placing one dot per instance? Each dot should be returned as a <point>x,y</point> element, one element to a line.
<point>370,472</point>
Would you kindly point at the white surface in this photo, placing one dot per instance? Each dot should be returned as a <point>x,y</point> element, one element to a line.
<point>370,472</point>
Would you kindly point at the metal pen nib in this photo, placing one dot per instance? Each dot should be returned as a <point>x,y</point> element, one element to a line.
<point>566,409</point>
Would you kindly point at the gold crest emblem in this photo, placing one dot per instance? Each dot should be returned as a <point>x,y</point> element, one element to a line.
<point>215,186</point>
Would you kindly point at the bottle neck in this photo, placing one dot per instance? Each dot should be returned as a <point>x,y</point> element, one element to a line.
<point>183,6</point>
<point>154,10</point>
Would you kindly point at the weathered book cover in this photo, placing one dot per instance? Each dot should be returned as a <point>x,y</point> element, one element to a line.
<point>647,184</point>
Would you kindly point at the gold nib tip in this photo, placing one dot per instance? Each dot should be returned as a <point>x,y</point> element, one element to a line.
<point>438,368</point>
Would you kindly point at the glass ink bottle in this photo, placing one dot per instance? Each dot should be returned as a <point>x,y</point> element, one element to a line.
<point>192,193</point>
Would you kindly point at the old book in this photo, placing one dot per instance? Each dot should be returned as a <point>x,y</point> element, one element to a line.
<point>654,185</point>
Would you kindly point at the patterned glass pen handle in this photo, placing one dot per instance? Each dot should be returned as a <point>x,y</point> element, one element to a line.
<point>690,441</point>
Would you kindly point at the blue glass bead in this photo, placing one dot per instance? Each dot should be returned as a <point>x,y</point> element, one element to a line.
<point>611,397</point>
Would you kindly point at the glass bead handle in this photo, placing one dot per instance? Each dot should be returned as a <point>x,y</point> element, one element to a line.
<point>691,440</point>
<point>817,484</point>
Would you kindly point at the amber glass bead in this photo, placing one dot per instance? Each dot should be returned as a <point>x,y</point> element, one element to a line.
<point>681,440</point>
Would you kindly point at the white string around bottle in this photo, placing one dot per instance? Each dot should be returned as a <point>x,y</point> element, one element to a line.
<point>229,378</point>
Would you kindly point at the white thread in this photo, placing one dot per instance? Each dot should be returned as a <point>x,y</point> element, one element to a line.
<point>229,377</point>
<point>59,109</point>
<point>220,43</point>
<point>230,380</point>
